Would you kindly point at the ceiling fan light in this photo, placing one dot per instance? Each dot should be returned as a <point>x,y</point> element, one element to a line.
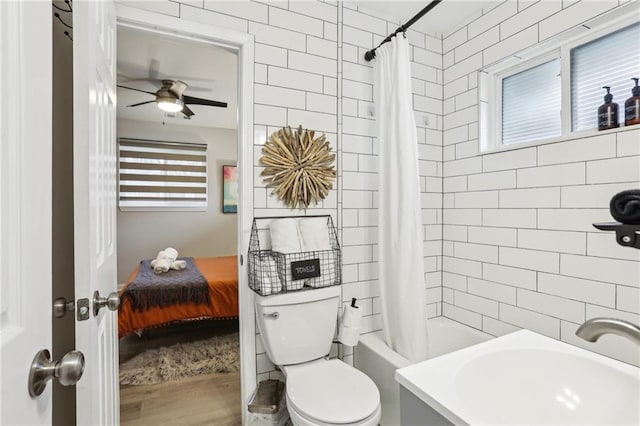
<point>169,104</point>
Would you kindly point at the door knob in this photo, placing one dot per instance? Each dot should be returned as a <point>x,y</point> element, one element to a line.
<point>68,370</point>
<point>61,306</point>
<point>112,301</point>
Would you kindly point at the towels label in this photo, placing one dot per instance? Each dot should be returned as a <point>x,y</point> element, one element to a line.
<point>303,269</point>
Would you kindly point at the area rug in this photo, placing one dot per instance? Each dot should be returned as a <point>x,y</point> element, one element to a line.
<point>219,354</point>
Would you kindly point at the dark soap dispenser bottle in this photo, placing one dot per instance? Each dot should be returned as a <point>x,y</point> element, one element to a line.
<point>632,106</point>
<point>608,112</point>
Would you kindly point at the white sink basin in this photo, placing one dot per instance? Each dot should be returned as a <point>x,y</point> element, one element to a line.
<point>525,378</point>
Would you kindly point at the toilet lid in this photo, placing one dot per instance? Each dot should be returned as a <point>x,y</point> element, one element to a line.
<point>332,392</point>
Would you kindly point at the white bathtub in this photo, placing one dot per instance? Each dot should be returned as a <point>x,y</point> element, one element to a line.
<point>373,357</point>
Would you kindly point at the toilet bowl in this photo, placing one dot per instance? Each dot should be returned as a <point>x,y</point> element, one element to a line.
<point>330,392</point>
<point>297,330</point>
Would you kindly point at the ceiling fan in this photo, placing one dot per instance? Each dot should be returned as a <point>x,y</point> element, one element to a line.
<point>170,98</point>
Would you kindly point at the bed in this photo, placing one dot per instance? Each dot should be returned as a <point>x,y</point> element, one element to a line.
<point>221,274</point>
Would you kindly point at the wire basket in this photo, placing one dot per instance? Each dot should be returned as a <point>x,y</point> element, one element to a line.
<point>272,272</point>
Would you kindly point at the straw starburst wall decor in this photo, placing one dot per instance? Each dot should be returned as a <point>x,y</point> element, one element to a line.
<point>299,166</point>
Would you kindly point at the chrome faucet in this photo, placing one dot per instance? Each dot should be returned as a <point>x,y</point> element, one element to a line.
<point>596,327</point>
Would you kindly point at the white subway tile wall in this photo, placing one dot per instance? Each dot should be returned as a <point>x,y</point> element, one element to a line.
<point>525,254</point>
<point>310,70</point>
<point>508,235</point>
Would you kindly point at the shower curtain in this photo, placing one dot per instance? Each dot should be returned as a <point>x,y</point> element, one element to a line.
<point>400,230</point>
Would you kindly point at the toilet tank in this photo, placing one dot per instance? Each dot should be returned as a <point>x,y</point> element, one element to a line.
<point>299,326</point>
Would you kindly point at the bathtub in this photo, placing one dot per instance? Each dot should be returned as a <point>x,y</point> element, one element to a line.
<point>374,358</point>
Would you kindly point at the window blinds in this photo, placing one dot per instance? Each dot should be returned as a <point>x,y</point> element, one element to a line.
<point>531,102</point>
<point>611,60</point>
<point>162,174</point>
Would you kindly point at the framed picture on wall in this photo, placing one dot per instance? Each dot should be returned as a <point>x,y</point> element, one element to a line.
<point>229,189</point>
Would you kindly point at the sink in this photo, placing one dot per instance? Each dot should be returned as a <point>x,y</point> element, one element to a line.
<point>576,393</point>
<point>526,378</point>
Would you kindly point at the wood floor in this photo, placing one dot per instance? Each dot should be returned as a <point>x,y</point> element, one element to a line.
<point>212,399</point>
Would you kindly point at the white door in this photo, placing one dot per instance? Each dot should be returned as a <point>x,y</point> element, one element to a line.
<point>25,206</point>
<point>94,170</point>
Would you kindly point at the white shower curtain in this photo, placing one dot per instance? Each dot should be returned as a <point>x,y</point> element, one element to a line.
<point>400,231</point>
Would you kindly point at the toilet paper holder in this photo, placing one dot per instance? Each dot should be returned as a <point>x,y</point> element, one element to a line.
<point>350,325</point>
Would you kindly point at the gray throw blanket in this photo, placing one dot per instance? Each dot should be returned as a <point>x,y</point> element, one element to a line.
<point>149,289</point>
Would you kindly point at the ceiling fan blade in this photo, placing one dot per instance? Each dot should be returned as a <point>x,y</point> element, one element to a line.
<point>139,103</point>
<point>187,111</point>
<point>178,87</point>
<point>200,89</point>
<point>137,90</point>
<point>123,79</point>
<point>154,69</point>
<point>199,101</point>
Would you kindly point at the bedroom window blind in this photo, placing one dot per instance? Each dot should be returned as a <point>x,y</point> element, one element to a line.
<point>162,174</point>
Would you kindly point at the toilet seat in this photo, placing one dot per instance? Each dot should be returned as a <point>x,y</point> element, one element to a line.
<point>298,419</point>
<point>332,392</point>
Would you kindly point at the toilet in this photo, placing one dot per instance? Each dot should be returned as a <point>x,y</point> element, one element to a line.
<point>297,330</point>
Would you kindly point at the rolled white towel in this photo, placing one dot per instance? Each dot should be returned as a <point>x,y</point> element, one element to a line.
<point>328,275</point>
<point>171,253</point>
<point>155,261</point>
<point>179,265</point>
<point>314,234</point>
<point>284,236</point>
<point>268,279</point>
<point>159,256</point>
<point>162,265</point>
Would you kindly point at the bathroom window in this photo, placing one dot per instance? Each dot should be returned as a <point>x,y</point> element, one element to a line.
<point>531,104</point>
<point>611,60</point>
<point>553,89</point>
<point>162,175</point>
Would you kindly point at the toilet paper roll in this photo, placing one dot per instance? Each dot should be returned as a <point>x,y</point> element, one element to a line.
<point>349,335</point>
<point>352,317</point>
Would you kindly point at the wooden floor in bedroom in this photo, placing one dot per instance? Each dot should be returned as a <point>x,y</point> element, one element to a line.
<point>211,399</point>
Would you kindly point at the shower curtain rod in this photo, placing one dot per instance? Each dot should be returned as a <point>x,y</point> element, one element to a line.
<point>372,53</point>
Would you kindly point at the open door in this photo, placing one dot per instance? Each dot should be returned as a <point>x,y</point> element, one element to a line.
<point>25,207</point>
<point>94,169</point>
<point>25,214</point>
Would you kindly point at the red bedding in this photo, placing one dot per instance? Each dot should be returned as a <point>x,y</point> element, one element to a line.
<point>221,274</point>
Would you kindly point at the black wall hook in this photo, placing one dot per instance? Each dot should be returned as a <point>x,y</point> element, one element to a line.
<point>626,235</point>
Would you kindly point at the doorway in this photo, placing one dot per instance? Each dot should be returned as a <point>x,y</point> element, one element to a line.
<point>240,48</point>
<point>177,191</point>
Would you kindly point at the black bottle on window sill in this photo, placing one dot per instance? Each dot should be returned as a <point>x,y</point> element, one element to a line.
<point>608,112</point>
<point>632,106</point>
